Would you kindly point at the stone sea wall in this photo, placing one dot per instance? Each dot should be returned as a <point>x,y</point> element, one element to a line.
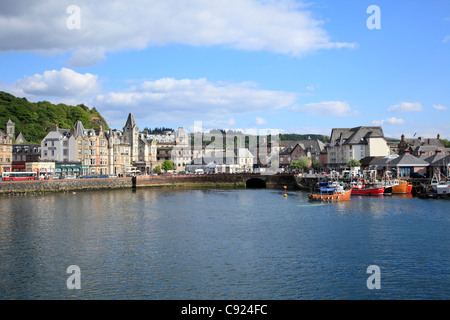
<point>181,181</point>
<point>7,187</point>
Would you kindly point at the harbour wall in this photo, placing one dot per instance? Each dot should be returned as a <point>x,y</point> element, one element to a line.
<point>244,180</point>
<point>181,181</point>
<point>11,187</point>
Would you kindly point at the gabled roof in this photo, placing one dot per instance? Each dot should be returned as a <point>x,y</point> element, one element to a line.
<point>425,142</point>
<point>357,135</point>
<point>288,149</point>
<point>434,157</point>
<point>438,160</point>
<point>79,129</point>
<point>408,160</point>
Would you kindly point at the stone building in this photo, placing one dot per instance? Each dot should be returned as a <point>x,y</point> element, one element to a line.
<point>421,146</point>
<point>5,152</point>
<point>356,143</point>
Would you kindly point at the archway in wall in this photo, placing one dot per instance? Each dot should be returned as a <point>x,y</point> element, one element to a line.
<point>255,183</point>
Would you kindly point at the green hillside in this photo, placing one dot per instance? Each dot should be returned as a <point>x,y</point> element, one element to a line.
<point>34,119</point>
<point>295,136</point>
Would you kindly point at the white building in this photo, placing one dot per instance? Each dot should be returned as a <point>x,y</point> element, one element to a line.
<point>356,143</point>
<point>58,146</point>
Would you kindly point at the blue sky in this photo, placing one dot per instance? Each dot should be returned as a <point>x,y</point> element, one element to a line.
<point>296,66</point>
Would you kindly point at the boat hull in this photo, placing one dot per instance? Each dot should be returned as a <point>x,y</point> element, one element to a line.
<point>368,191</point>
<point>345,195</point>
<point>402,188</point>
<point>388,190</point>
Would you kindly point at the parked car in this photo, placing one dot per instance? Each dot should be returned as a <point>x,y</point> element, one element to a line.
<point>417,175</point>
<point>113,176</point>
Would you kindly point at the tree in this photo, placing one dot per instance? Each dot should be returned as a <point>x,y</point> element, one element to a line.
<point>158,169</point>
<point>446,143</point>
<point>315,163</point>
<point>353,163</point>
<point>301,164</point>
<point>167,165</point>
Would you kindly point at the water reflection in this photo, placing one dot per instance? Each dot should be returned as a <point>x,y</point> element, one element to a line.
<point>220,244</point>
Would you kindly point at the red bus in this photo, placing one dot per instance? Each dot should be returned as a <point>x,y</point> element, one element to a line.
<point>7,176</point>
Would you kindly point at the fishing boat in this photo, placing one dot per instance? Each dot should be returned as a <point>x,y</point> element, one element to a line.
<point>359,189</point>
<point>439,188</point>
<point>402,188</point>
<point>330,193</point>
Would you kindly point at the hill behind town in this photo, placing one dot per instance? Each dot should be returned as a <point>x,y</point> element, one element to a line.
<point>34,119</point>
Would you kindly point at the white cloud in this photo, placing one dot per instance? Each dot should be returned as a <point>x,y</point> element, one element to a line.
<point>260,121</point>
<point>406,107</point>
<point>439,107</point>
<point>280,26</point>
<point>392,121</point>
<point>169,99</point>
<point>85,57</point>
<point>326,108</point>
<point>63,83</point>
<point>446,39</point>
<point>218,124</point>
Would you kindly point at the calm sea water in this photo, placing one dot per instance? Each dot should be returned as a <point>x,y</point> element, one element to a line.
<point>222,244</point>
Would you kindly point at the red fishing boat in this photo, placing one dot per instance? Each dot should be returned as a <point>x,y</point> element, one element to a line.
<point>368,191</point>
<point>360,189</point>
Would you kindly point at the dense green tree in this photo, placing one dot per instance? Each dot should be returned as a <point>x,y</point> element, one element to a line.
<point>167,165</point>
<point>300,164</point>
<point>353,163</point>
<point>35,119</point>
<point>446,143</point>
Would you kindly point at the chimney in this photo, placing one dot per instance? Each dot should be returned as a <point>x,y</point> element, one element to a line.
<point>54,127</point>
<point>438,136</point>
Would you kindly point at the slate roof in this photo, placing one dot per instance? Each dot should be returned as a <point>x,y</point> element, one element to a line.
<point>357,135</point>
<point>442,161</point>
<point>79,129</point>
<point>312,145</point>
<point>408,160</point>
<point>130,121</point>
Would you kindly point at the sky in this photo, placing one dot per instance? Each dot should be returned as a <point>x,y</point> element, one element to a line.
<point>252,65</point>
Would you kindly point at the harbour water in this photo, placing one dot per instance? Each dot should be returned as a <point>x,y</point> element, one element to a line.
<point>222,244</point>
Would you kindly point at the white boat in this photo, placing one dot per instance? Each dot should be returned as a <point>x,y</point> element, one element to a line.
<point>439,188</point>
